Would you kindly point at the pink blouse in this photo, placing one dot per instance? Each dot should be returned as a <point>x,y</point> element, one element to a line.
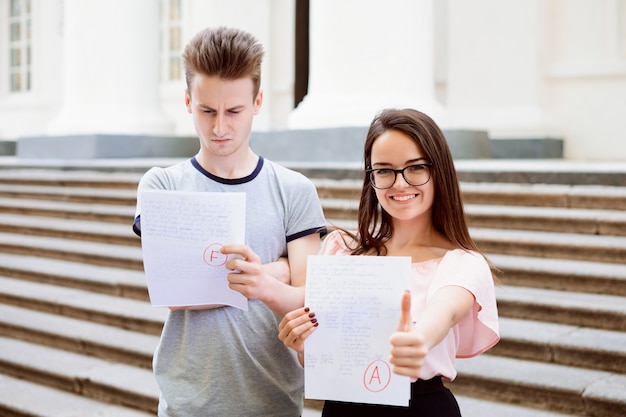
<point>476,332</point>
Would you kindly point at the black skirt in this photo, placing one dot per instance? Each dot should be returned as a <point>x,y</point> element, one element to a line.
<point>428,399</point>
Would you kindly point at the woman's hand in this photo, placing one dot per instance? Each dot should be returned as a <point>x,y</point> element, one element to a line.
<point>407,346</point>
<point>295,327</point>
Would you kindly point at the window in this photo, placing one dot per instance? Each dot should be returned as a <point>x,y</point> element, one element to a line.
<point>171,40</point>
<point>19,45</point>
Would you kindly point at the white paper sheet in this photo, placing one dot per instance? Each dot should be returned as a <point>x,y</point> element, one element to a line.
<point>181,237</point>
<point>357,302</point>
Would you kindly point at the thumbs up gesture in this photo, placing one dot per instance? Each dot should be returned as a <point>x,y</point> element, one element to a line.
<point>407,345</point>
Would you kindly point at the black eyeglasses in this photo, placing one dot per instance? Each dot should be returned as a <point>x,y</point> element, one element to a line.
<point>382,178</point>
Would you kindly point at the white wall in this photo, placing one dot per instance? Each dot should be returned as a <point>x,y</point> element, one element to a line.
<point>28,114</point>
<point>517,68</point>
<point>109,85</point>
<point>367,55</point>
<point>585,70</point>
<point>495,79</point>
<point>270,21</point>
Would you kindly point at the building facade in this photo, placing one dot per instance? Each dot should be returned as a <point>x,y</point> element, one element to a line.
<point>517,69</point>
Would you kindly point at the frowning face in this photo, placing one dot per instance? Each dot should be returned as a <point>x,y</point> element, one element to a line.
<point>222,112</point>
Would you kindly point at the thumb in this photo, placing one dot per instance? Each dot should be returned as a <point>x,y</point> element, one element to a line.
<point>406,322</point>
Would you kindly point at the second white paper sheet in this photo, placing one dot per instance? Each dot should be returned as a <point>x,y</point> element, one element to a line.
<point>357,301</point>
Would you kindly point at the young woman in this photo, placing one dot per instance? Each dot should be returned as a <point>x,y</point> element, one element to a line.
<point>411,206</point>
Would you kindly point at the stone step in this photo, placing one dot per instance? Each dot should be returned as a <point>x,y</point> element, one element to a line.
<point>563,307</point>
<point>561,220</point>
<point>523,171</point>
<point>549,219</point>
<point>565,220</point>
<point>88,178</point>
<point>540,245</point>
<point>545,195</point>
<point>597,310</point>
<point>120,197</point>
<point>97,186</point>
<point>80,230</point>
<point>525,339</point>
<point>519,171</point>
<point>577,276</point>
<point>470,407</point>
<point>93,378</point>
<point>559,274</point>
<point>78,336</point>
<point>65,288</point>
<point>77,380</point>
<point>120,282</point>
<point>63,210</point>
<point>594,223</point>
<point>113,344</point>
<point>474,407</point>
<point>337,189</point>
<point>94,253</point>
<point>546,386</point>
<point>596,197</point>
<point>68,328</point>
<point>103,309</point>
<point>582,347</point>
<point>518,268</point>
<point>22,398</point>
<point>545,245</point>
<point>135,349</point>
<point>574,246</point>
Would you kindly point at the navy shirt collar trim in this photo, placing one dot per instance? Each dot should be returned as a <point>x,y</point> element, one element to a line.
<point>229,181</point>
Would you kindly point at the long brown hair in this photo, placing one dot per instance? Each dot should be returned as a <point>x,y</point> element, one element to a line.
<point>374,223</point>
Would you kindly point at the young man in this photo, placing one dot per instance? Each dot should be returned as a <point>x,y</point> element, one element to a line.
<point>220,360</point>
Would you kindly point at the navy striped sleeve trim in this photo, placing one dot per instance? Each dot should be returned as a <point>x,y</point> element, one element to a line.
<point>137,226</point>
<point>321,230</point>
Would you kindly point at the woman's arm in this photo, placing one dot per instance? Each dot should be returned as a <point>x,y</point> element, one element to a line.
<point>412,341</point>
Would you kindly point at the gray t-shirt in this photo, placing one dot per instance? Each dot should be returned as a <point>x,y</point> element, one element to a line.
<point>226,361</point>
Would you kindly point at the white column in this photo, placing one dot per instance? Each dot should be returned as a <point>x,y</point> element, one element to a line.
<point>111,69</point>
<point>366,55</point>
<point>271,22</point>
<point>278,82</point>
<point>495,69</point>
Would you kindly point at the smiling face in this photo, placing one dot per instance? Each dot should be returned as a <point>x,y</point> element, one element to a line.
<point>222,112</point>
<point>403,202</point>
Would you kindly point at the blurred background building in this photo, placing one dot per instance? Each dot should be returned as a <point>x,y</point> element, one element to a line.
<point>541,78</point>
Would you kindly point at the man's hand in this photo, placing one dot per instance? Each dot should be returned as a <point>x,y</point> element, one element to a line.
<point>247,274</point>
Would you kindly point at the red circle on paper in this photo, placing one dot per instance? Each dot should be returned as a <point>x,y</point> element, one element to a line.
<point>369,375</point>
<point>215,261</point>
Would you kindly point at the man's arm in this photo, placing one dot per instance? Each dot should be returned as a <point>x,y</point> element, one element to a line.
<point>255,283</point>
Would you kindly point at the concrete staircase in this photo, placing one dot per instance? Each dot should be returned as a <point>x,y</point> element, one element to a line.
<point>77,332</point>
